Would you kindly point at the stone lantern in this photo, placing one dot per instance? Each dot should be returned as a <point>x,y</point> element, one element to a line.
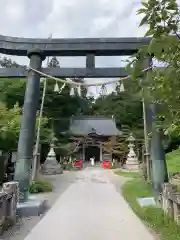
<point>51,166</point>
<point>132,163</point>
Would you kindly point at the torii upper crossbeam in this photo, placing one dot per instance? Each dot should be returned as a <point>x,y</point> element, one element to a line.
<point>72,46</point>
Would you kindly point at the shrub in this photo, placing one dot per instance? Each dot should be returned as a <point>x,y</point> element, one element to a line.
<point>40,186</point>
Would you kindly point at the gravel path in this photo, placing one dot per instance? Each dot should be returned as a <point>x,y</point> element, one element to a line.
<point>25,225</point>
<point>91,208</point>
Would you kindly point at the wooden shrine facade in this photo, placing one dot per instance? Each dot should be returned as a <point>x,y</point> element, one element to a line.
<point>90,133</point>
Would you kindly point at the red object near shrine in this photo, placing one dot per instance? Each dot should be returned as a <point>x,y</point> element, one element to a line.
<point>106,164</point>
<point>78,164</point>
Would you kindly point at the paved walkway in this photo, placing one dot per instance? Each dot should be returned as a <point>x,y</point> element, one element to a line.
<point>90,209</point>
<point>24,225</point>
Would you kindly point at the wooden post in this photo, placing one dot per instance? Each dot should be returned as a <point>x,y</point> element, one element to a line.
<point>170,209</point>
<point>167,203</point>
<point>176,212</point>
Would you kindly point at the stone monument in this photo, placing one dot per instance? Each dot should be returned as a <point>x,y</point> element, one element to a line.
<point>132,160</point>
<point>51,166</point>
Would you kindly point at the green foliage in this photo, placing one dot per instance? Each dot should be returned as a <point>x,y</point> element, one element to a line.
<point>10,121</point>
<point>9,126</point>
<point>40,186</point>
<point>162,17</point>
<point>8,63</point>
<point>165,227</point>
<point>173,161</point>
<point>45,133</point>
<point>126,107</point>
<point>12,91</point>
<point>58,108</point>
<point>162,85</point>
<point>117,147</point>
<point>66,148</point>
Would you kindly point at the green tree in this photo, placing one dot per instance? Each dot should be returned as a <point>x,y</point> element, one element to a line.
<point>163,85</point>
<point>8,63</point>
<point>12,91</point>
<point>126,107</point>
<point>9,126</point>
<point>10,121</point>
<point>58,108</point>
<point>53,62</point>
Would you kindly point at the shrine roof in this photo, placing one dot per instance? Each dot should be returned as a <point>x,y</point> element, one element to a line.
<point>99,125</point>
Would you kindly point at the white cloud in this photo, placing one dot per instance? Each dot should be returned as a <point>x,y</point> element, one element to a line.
<point>100,23</point>
<point>14,11</point>
<point>71,18</point>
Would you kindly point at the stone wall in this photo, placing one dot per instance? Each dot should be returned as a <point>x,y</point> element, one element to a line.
<point>171,201</point>
<point>8,204</point>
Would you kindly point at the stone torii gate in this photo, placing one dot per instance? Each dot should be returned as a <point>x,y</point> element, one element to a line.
<point>37,50</point>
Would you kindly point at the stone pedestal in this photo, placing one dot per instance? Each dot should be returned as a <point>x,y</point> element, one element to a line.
<point>132,161</point>
<point>51,166</point>
<point>31,207</point>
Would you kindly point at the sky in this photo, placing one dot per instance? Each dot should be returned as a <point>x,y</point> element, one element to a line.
<point>71,19</point>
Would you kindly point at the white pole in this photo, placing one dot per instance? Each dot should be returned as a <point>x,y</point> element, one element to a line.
<point>101,149</point>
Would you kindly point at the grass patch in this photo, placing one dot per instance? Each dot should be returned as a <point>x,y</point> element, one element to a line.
<point>129,174</point>
<point>165,227</point>
<point>173,161</point>
<point>40,186</point>
<point>173,166</point>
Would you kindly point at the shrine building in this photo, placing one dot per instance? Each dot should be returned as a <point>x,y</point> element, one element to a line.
<point>89,132</point>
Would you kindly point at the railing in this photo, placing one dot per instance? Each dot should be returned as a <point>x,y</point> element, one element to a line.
<point>171,201</point>
<point>8,204</point>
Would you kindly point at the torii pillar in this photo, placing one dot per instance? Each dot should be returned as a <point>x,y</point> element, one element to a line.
<point>28,123</point>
